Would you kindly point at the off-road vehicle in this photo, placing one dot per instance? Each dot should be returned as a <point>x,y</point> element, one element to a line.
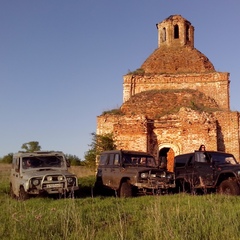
<point>130,173</point>
<point>39,173</point>
<point>208,171</point>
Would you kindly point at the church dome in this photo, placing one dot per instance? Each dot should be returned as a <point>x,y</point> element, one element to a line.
<point>177,60</point>
<point>176,53</point>
<point>157,103</point>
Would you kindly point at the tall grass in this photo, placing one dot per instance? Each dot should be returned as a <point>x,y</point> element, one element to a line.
<point>179,216</point>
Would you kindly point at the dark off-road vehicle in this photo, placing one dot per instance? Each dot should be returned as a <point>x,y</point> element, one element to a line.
<point>209,171</point>
<point>39,173</point>
<point>130,173</point>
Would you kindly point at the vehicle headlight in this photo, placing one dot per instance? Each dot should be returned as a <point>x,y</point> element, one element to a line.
<point>49,178</point>
<point>163,175</point>
<point>238,173</point>
<point>60,178</point>
<point>169,175</point>
<point>153,175</point>
<point>35,182</point>
<point>70,180</point>
<point>144,175</point>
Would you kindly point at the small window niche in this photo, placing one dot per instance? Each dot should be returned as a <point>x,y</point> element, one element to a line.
<point>176,31</point>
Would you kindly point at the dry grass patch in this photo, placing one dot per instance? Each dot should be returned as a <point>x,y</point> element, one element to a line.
<point>82,171</point>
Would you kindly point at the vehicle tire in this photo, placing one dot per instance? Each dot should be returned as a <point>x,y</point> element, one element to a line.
<point>23,195</point>
<point>229,187</point>
<point>185,186</point>
<point>125,190</point>
<point>182,186</point>
<point>11,193</point>
<point>98,188</point>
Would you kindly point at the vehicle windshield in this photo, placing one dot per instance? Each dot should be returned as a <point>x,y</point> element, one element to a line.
<point>139,160</point>
<point>223,158</point>
<point>42,162</point>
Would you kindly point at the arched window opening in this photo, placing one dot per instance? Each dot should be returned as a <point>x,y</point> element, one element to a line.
<point>187,33</point>
<point>176,31</point>
<point>164,34</point>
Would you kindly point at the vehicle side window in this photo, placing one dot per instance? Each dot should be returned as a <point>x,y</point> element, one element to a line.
<point>202,157</point>
<point>143,161</point>
<point>219,158</point>
<point>13,163</point>
<point>127,159</point>
<point>103,159</point>
<point>222,158</point>
<point>230,160</point>
<point>17,166</point>
<point>117,160</point>
<point>111,159</point>
<point>180,161</point>
<point>151,162</point>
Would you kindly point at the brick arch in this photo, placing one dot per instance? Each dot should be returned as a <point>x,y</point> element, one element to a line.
<point>169,151</point>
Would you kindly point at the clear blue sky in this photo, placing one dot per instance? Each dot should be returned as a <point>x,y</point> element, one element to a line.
<point>62,62</point>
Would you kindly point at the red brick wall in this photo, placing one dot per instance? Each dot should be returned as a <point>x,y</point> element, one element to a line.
<point>214,85</point>
<point>229,132</point>
<point>187,130</point>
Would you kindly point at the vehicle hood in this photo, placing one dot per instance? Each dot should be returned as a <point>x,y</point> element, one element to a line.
<point>42,172</point>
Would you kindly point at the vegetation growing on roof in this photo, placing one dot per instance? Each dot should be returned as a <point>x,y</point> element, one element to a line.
<point>138,71</point>
<point>116,111</point>
<point>157,103</point>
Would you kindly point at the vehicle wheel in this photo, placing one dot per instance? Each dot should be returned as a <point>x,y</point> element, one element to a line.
<point>181,186</point>
<point>229,187</point>
<point>22,194</point>
<point>184,186</point>
<point>98,188</point>
<point>12,195</point>
<point>125,190</point>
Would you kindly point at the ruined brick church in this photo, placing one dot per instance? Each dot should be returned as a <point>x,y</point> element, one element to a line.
<point>175,101</point>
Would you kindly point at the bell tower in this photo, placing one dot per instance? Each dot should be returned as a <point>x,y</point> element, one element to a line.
<point>175,31</point>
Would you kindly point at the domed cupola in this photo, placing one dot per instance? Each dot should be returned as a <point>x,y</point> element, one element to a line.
<point>175,31</point>
<point>176,53</point>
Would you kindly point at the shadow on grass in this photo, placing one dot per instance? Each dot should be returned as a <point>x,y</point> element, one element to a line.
<point>86,191</point>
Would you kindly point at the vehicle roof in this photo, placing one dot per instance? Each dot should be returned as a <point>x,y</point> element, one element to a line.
<point>220,152</point>
<point>127,152</point>
<point>37,153</point>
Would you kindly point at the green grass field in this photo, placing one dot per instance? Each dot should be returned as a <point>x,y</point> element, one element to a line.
<point>178,216</point>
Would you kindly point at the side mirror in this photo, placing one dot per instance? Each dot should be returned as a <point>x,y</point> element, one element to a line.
<point>68,163</point>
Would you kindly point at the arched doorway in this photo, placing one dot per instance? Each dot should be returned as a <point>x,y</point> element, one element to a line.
<point>166,155</point>
<point>166,158</point>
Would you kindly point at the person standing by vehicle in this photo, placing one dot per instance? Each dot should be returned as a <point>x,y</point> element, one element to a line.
<point>202,158</point>
<point>202,148</point>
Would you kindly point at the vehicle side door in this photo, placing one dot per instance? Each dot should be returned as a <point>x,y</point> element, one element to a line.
<point>110,171</point>
<point>203,168</point>
<point>116,170</point>
<point>184,166</point>
<point>103,168</point>
<point>189,172</point>
<point>15,177</point>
